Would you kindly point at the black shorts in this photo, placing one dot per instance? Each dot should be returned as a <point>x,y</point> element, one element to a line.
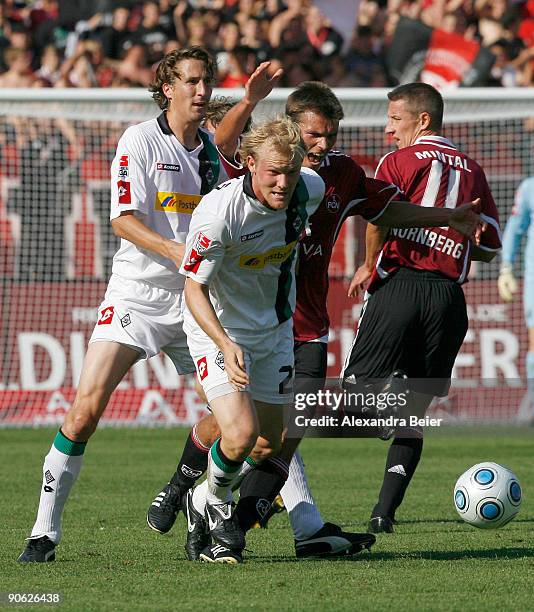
<point>415,322</point>
<point>310,366</point>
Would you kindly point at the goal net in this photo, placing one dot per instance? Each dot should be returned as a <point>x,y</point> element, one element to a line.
<point>56,248</point>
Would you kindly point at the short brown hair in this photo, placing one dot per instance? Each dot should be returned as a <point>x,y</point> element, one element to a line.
<point>421,98</point>
<point>167,71</point>
<point>316,97</point>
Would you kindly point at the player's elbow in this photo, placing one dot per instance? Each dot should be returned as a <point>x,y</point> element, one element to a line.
<point>117,229</point>
<point>118,225</point>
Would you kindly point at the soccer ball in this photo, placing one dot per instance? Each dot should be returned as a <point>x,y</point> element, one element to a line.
<point>487,496</point>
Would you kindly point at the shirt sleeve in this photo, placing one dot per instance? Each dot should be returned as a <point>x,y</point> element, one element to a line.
<point>233,167</point>
<point>518,223</point>
<point>129,175</point>
<point>491,239</point>
<point>378,195</point>
<point>387,170</point>
<point>205,247</point>
<point>316,189</point>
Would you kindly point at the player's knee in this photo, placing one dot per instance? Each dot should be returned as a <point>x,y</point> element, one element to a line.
<point>208,430</point>
<point>239,444</point>
<point>82,419</point>
<point>79,425</point>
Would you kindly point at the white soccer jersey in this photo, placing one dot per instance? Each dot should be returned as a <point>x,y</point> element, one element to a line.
<point>246,252</point>
<point>156,176</point>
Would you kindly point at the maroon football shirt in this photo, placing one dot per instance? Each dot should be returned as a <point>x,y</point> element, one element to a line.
<point>348,192</point>
<point>433,172</point>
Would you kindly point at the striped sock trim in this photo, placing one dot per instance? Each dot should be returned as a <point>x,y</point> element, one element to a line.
<point>281,466</point>
<point>221,461</point>
<point>198,442</point>
<point>253,464</point>
<point>68,447</point>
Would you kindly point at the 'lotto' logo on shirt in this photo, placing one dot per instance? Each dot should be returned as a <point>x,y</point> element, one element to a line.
<point>202,367</point>
<point>168,167</point>
<point>202,242</point>
<point>170,202</point>
<point>106,315</point>
<point>124,194</point>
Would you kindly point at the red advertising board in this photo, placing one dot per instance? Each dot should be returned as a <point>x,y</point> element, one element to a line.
<point>46,327</point>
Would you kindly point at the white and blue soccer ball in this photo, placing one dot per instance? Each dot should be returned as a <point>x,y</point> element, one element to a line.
<point>487,495</point>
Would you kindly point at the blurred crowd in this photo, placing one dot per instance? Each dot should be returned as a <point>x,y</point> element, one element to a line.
<point>116,43</point>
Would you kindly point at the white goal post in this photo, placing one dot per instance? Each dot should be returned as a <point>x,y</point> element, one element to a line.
<point>56,248</point>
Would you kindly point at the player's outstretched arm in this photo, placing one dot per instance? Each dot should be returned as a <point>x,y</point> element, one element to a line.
<point>404,214</point>
<point>258,87</point>
<point>198,301</point>
<point>129,227</point>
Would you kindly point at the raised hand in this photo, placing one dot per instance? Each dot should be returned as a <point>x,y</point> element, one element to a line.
<point>260,84</point>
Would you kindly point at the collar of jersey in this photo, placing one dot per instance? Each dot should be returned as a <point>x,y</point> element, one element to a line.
<point>248,191</point>
<point>164,126</point>
<point>436,140</point>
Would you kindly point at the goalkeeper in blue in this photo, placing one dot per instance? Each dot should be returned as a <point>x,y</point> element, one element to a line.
<point>521,223</point>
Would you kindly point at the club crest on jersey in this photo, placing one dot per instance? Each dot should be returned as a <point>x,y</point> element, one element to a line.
<point>202,368</point>
<point>168,167</point>
<point>202,243</point>
<point>297,224</point>
<point>106,315</point>
<point>252,236</point>
<point>333,203</point>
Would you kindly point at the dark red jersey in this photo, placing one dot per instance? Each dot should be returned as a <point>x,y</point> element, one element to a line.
<point>433,172</point>
<point>348,192</point>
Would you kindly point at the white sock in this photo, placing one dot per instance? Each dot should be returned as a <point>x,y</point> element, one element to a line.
<point>60,471</point>
<point>222,473</point>
<point>199,497</point>
<point>304,515</point>
<point>200,492</point>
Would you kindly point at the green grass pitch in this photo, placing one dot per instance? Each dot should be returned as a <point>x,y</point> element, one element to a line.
<point>109,559</point>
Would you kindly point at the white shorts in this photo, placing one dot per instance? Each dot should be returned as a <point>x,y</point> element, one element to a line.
<point>269,360</point>
<point>146,318</point>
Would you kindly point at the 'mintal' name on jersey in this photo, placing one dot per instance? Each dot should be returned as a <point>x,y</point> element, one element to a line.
<point>453,160</point>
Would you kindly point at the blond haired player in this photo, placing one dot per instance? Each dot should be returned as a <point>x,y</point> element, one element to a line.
<point>240,296</point>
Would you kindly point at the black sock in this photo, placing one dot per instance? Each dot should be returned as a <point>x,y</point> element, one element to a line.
<point>258,491</point>
<point>193,462</point>
<point>402,460</point>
